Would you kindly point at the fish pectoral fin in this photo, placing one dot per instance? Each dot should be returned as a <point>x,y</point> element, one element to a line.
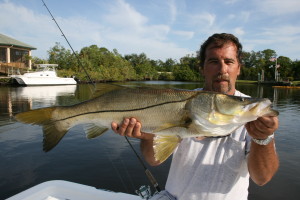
<point>93,130</point>
<point>164,146</point>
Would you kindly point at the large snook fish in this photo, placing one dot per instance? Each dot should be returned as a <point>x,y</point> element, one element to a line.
<point>170,114</point>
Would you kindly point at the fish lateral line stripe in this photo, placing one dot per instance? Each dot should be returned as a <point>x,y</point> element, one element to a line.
<point>144,108</point>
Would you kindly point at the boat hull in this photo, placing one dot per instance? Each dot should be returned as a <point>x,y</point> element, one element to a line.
<point>30,81</point>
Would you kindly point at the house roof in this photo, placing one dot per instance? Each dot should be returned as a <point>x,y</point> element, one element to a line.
<point>5,40</point>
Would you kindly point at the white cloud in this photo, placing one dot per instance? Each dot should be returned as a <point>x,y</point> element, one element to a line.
<point>230,1</point>
<point>132,33</point>
<point>123,18</point>
<point>122,14</point>
<point>123,28</point>
<point>154,49</point>
<point>245,16</point>
<point>173,10</point>
<point>204,19</point>
<point>39,30</point>
<point>278,7</point>
<point>185,34</point>
<point>239,31</point>
<point>283,39</point>
<point>25,25</point>
<point>161,29</point>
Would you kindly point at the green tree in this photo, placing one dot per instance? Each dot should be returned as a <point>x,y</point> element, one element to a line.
<point>103,64</point>
<point>36,60</point>
<point>183,72</point>
<point>285,69</point>
<point>169,65</point>
<point>296,69</point>
<point>268,53</point>
<point>63,57</point>
<point>191,64</point>
<point>144,67</point>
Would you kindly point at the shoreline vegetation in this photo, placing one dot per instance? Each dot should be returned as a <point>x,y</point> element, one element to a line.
<point>295,84</point>
<point>103,65</point>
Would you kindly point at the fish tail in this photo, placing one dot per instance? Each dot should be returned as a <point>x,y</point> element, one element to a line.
<point>52,129</point>
<point>52,135</point>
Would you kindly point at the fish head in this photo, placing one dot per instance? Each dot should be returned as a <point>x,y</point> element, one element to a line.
<point>243,109</point>
<point>216,114</point>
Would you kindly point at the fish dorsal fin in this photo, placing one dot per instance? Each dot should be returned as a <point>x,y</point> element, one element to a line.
<point>103,88</point>
<point>93,130</point>
<point>39,116</point>
<point>164,146</point>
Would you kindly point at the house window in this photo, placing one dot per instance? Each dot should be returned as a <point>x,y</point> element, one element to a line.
<point>2,55</point>
<point>17,55</point>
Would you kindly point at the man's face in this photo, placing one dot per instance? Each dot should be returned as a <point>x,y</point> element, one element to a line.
<point>221,68</point>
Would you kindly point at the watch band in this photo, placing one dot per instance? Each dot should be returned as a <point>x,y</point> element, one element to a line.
<point>265,141</point>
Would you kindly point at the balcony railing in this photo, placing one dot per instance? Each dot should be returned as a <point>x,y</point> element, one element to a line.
<point>12,68</point>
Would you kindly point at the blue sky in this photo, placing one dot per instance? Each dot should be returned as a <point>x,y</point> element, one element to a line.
<point>160,28</point>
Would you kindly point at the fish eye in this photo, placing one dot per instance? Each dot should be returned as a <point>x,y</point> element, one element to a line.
<point>242,99</point>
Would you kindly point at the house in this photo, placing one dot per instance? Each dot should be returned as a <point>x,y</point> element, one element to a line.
<point>14,55</point>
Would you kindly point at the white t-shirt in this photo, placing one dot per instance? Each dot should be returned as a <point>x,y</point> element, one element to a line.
<point>212,168</point>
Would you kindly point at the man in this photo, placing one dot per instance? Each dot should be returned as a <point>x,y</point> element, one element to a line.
<point>216,168</point>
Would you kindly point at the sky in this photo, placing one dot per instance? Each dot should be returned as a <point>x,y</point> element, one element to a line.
<point>161,29</point>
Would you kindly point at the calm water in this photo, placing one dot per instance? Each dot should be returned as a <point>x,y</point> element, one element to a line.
<point>108,162</point>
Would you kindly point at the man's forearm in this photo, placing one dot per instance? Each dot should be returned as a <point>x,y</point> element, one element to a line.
<point>148,151</point>
<point>262,162</point>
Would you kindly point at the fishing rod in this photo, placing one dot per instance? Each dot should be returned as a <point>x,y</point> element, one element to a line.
<point>76,55</point>
<point>147,171</point>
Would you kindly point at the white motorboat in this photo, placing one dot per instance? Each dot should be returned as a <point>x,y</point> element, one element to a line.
<point>62,190</point>
<point>46,75</point>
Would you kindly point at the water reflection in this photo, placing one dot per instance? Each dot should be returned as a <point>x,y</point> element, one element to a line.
<point>18,99</point>
<point>107,161</point>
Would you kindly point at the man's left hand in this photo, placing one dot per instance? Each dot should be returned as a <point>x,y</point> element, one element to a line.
<point>262,127</point>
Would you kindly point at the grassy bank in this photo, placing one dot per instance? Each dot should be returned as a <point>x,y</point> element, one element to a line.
<point>5,81</point>
<point>296,83</point>
<point>246,81</point>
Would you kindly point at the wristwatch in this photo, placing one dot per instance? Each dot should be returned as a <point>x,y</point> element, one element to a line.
<point>265,141</point>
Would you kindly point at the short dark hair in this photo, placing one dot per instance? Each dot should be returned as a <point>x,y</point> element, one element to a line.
<point>219,39</point>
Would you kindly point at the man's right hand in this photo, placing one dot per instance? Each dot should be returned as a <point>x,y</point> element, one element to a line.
<point>130,127</point>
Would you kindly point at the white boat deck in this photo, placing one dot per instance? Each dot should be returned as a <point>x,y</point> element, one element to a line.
<point>64,190</point>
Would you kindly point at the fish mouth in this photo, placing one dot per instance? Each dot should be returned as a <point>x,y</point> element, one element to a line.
<point>260,107</point>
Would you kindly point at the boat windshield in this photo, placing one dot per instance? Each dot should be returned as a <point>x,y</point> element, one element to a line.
<point>46,67</point>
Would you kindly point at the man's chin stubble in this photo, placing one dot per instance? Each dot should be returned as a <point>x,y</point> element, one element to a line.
<point>223,90</point>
